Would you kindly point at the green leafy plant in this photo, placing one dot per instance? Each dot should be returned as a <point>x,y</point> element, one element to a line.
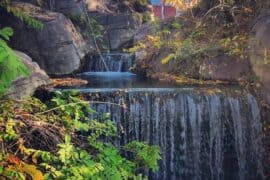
<point>236,45</point>
<point>146,155</point>
<point>83,153</point>
<point>10,65</point>
<point>73,111</point>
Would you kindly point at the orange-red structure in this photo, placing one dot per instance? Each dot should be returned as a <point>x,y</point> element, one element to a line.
<point>169,11</point>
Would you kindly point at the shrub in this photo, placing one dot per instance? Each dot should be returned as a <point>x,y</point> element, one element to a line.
<point>58,141</point>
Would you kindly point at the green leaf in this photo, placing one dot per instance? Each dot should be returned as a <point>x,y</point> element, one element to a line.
<point>10,65</point>
<point>1,169</point>
<point>167,58</point>
<point>6,33</point>
<point>67,139</point>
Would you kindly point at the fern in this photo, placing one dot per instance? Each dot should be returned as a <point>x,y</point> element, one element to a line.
<point>10,65</point>
<point>21,14</point>
<point>25,17</point>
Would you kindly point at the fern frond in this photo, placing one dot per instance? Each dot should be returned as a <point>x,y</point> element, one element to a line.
<point>10,65</point>
<point>6,33</point>
<point>23,16</point>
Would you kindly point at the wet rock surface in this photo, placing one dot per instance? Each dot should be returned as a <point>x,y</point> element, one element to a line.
<point>26,86</point>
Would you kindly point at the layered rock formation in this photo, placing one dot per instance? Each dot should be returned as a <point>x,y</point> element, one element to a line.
<point>260,50</point>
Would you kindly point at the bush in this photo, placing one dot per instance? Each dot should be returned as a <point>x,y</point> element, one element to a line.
<point>57,140</point>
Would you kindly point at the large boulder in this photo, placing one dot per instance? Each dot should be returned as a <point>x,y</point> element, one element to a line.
<point>118,19</point>
<point>119,29</point>
<point>77,7</point>
<point>62,6</point>
<point>225,68</point>
<point>69,7</point>
<point>26,86</point>
<point>260,50</point>
<point>58,47</point>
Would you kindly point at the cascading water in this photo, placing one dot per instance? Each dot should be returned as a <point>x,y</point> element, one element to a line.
<point>202,135</point>
<point>118,75</point>
<point>116,62</point>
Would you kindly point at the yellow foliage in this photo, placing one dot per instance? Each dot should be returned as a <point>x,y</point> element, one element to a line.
<point>167,58</point>
<point>236,45</point>
<point>155,40</point>
<point>181,4</point>
<point>15,163</point>
<point>32,171</point>
<point>137,47</point>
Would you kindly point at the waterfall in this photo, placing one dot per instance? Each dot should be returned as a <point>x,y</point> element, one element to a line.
<point>202,135</point>
<point>116,62</point>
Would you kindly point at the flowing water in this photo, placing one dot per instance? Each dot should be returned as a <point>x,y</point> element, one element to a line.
<point>116,62</point>
<point>204,133</point>
<point>201,135</point>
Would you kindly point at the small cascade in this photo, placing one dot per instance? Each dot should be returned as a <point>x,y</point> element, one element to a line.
<point>212,136</point>
<point>116,62</point>
<point>115,75</point>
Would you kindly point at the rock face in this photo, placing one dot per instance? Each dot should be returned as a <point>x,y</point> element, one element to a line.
<point>63,6</point>
<point>119,28</point>
<point>61,46</point>
<point>58,47</point>
<point>26,86</point>
<point>69,7</point>
<point>219,67</point>
<point>260,50</point>
<point>77,7</point>
<point>119,21</point>
<point>225,68</point>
